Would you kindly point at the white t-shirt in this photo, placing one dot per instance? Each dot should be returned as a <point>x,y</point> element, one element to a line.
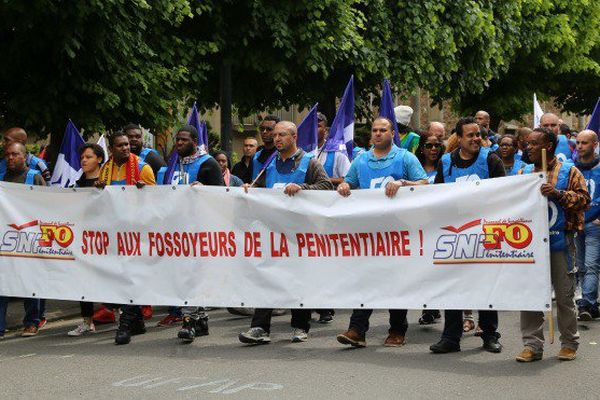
<point>341,163</point>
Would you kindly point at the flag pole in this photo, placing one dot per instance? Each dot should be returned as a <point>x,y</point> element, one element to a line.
<point>549,314</point>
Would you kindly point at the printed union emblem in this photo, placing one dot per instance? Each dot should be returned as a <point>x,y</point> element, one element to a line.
<point>486,242</point>
<point>37,239</point>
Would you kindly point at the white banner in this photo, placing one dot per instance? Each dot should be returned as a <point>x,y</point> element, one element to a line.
<point>472,245</point>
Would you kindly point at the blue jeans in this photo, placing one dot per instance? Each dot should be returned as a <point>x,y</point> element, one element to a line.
<point>32,309</point>
<point>588,263</point>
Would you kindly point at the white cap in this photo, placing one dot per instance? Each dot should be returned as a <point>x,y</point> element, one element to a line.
<point>403,114</point>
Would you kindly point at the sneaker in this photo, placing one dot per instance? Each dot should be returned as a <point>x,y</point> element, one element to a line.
<point>29,331</point>
<point>255,336</point>
<point>584,315</point>
<point>104,316</point>
<point>567,354</point>
<point>352,338</point>
<point>594,311</point>
<point>444,346</point>
<point>169,320</point>
<point>325,318</point>
<point>187,333</point>
<point>127,329</point>
<point>299,335</point>
<point>528,355</point>
<point>42,323</point>
<point>83,329</point>
<point>147,312</point>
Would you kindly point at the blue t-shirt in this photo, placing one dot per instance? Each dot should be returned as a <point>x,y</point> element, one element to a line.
<point>411,171</point>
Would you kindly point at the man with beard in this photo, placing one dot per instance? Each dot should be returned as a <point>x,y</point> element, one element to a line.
<point>147,155</point>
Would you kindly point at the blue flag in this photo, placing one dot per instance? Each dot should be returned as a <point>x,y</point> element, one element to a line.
<point>341,132</point>
<point>68,168</point>
<point>594,123</point>
<point>386,109</point>
<point>194,120</point>
<point>308,136</point>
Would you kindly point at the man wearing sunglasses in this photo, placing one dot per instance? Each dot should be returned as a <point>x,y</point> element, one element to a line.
<point>268,148</point>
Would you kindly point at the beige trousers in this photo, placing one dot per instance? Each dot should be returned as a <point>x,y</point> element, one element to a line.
<point>532,322</point>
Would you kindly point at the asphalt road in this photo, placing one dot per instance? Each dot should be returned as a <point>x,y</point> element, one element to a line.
<point>157,366</point>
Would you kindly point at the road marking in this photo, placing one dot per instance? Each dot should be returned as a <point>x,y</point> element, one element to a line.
<point>223,386</point>
<point>18,357</point>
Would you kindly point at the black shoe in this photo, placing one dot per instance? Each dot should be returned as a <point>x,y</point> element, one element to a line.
<point>444,346</point>
<point>123,335</point>
<point>594,312</point>
<point>325,317</point>
<point>202,326</point>
<point>426,319</point>
<point>437,314</point>
<point>138,327</point>
<point>492,345</point>
<point>187,333</point>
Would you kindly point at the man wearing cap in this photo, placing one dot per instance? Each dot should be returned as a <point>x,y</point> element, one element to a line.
<point>408,140</point>
<point>386,167</point>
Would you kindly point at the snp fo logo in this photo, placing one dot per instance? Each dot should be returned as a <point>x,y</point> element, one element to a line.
<point>36,239</point>
<point>485,242</point>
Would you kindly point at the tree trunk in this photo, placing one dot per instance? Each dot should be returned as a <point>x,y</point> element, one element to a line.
<point>225,104</point>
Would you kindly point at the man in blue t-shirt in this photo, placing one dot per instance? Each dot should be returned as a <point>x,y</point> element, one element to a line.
<point>386,167</point>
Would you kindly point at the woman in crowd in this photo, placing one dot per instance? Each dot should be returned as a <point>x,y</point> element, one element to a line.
<point>225,163</point>
<point>429,153</point>
<point>508,153</point>
<point>91,157</point>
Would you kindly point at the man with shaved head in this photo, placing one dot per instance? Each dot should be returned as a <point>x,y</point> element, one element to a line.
<point>564,149</point>
<point>385,167</point>
<point>16,171</point>
<point>293,170</point>
<point>483,119</point>
<point>438,130</point>
<point>19,135</point>
<point>588,240</point>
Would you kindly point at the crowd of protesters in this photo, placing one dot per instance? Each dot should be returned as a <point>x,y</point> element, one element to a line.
<point>472,151</point>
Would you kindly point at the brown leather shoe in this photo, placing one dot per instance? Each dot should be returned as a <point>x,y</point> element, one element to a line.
<point>352,338</point>
<point>528,355</point>
<point>394,340</point>
<point>567,354</point>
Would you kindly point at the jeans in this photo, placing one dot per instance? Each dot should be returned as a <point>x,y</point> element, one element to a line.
<point>262,319</point>
<point>31,318</point>
<point>588,264</point>
<point>359,321</point>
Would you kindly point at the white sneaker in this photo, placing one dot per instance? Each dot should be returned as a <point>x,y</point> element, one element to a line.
<point>83,329</point>
<point>255,336</point>
<point>299,335</point>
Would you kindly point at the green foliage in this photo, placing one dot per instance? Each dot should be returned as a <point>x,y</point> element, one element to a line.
<point>101,63</point>
<point>557,54</point>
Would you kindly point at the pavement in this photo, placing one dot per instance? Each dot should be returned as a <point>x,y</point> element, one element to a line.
<point>157,366</point>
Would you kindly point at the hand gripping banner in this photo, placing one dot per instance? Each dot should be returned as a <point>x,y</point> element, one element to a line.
<point>471,245</point>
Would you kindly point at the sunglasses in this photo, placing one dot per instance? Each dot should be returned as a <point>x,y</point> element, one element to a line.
<point>430,146</point>
<point>265,128</point>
